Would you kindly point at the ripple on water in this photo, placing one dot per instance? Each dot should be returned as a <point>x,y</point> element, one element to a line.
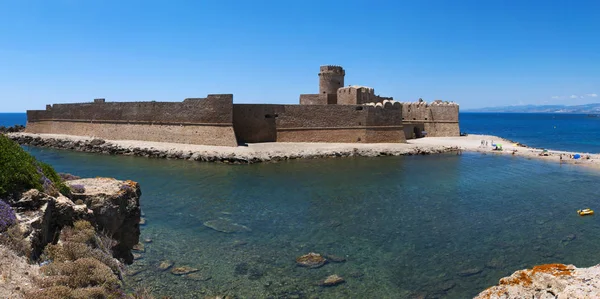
<point>436,226</point>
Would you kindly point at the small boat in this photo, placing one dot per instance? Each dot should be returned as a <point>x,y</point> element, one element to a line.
<point>585,212</point>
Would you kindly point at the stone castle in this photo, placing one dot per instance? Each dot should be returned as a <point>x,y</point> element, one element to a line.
<point>352,114</point>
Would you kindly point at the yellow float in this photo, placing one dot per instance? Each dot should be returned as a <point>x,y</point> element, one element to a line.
<point>585,212</point>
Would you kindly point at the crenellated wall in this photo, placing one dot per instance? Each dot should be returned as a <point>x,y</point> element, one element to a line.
<point>197,121</point>
<point>437,119</point>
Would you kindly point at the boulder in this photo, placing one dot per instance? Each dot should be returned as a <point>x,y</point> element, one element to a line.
<point>548,281</point>
<point>112,206</point>
<point>116,211</point>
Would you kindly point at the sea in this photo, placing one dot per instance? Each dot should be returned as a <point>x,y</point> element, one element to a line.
<point>438,226</point>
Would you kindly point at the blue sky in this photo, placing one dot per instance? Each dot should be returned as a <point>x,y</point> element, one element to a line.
<point>476,53</point>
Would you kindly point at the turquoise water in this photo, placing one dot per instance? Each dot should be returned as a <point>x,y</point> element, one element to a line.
<point>442,226</point>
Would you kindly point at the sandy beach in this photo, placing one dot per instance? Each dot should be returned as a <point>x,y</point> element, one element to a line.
<point>265,152</point>
<point>472,143</point>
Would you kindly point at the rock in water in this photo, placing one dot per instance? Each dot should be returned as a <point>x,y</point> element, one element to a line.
<point>470,272</point>
<point>198,276</point>
<point>164,265</point>
<point>183,270</point>
<point>139,247</point>
<point>331,280</point>
<point>334,258</point>
<point>226,226</point>
<point>311,260</point>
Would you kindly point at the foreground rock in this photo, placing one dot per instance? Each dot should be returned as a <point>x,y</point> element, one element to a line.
<point>109,204</point>
<point>115,207</point>
<point>548,281</point>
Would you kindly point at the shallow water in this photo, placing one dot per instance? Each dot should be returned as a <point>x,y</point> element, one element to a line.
<point>442,226</point>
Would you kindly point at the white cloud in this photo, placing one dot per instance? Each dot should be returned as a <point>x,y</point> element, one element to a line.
<point>573,97</point>
<point>556,97</point>
<point>591,95</point>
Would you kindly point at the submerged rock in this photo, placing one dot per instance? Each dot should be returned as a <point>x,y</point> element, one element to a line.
<point>226,226</point>
<point>470,272</point>
<point>334,258</point>
<point>331,280</point>
<point>182,270</point>
<point>311,260</point>
<point>139,247</point>
<point>165,265</point>
<point>197,276</point>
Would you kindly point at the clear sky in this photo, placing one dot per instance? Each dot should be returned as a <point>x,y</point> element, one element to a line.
<point>477,53</point>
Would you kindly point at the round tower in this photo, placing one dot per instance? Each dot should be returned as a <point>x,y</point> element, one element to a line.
<point>331,78</point>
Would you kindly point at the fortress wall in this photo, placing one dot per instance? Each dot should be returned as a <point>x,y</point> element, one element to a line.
<point>196,121</point>
<point>312,99</point>
<point>385,124</point>
<point>415,111</point>
<point>255,122</point>
<point>444,120</point>
<point>327,123</point>
<point>438,119</point>
<point>207,135</point>
<point>339,123</point>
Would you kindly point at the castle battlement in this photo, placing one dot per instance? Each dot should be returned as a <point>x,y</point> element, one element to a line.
<point>337,113</point>
<point>324,69</point>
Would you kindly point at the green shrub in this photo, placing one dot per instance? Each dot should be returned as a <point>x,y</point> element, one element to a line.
<point>19,171</point>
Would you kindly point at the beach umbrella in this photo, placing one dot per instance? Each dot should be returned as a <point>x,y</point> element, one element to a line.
<point>576,156</point>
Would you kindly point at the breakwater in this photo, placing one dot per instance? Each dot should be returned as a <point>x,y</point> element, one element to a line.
<point>267,152</point>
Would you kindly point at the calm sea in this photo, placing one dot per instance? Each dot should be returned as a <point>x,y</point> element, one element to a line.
<point>568,132</point>
<point>442,226</point>
<point>11,119</point>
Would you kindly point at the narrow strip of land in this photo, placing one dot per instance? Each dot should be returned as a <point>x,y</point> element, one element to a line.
<point>276,151</point>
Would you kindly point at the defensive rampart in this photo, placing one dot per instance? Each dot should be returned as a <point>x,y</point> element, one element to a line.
<point>196,121</point>
<point>437,119</point>
<point>318,123</point>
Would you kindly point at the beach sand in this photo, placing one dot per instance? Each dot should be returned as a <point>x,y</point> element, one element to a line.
<point>472,143</point>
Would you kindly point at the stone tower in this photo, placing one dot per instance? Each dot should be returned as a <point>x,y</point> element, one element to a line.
<point>331,78</point>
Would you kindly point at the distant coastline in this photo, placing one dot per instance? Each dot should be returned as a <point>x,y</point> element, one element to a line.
<point>593,108</point>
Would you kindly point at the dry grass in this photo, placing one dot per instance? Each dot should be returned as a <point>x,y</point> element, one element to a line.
<point>14,239</point>
<point>81,266</point>
<point>16,274</point>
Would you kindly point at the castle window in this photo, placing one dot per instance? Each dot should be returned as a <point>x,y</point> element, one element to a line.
<point>358,108</point>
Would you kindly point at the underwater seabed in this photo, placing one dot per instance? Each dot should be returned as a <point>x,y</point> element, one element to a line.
<point>442,226</point>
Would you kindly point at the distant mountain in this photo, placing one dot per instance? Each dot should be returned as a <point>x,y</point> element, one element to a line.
<point>584,109</point>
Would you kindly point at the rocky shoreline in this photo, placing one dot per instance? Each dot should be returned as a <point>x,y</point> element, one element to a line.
<point>548,281</point>
<point>236,155</point>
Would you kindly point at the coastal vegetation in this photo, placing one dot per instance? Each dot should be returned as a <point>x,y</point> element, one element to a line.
<point>20,172</point>
<point>80,264</point>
